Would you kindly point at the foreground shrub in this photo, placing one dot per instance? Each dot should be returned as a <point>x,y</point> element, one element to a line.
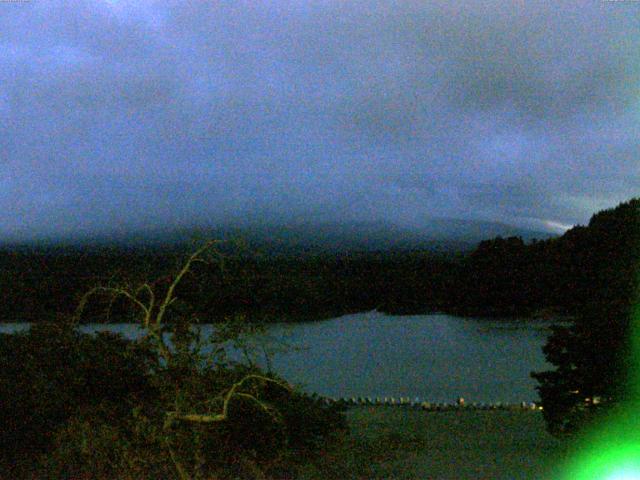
<point>250,444</point>
<point>52,372</point>
<point>168,405</point>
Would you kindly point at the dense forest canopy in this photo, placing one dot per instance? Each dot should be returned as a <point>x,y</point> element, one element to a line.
<point>500,277</point>
<point>594,367</point>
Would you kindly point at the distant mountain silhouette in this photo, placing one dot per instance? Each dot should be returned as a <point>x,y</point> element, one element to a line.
<point>441,234</point>
<point>322,270</point>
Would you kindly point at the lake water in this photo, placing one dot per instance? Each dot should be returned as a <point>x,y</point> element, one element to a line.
<point>433,357</point>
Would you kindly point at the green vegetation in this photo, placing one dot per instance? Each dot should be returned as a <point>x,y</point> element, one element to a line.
<point>500,277</point>
<point>79,406</point>
<point>74,405</point>
<point>592,357</point>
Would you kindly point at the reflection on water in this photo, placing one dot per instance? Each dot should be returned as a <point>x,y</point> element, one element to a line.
<point>434,357</point>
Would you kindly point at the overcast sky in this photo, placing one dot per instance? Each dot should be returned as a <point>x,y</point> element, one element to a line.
<point>119,115</point>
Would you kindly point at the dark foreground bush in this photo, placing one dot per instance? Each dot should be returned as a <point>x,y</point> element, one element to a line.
<point>83,406</point>
<point>168,405</point>
<point>251,443</point>
<point>53,372</point>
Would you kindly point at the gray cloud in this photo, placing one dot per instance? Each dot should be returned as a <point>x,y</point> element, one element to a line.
<point>128,114</point>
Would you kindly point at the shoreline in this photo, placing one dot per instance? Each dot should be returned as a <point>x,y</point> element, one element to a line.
<point>546,315</point>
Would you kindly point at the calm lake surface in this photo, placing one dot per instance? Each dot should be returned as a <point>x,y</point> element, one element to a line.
<point>434,357</point>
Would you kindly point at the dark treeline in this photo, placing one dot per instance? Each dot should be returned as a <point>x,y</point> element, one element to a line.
<point>595,371</point>
<point>40,284</point>
<point>500,277</point>
<point>565,274</point>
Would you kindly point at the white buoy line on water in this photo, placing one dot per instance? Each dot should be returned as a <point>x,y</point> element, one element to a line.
<point>418,404</point>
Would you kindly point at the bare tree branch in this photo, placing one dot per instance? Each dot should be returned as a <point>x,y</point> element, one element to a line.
<point>232,393</point>
<point>153,313</point>
<point>182,472</point>
<point>170,292</point>
<point>115,292</point>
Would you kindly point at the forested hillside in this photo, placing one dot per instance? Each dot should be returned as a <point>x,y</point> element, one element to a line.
<point>585,265</point>
<point>500,277</point>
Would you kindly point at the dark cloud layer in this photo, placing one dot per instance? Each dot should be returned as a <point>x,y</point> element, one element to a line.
<point>122,114</point>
